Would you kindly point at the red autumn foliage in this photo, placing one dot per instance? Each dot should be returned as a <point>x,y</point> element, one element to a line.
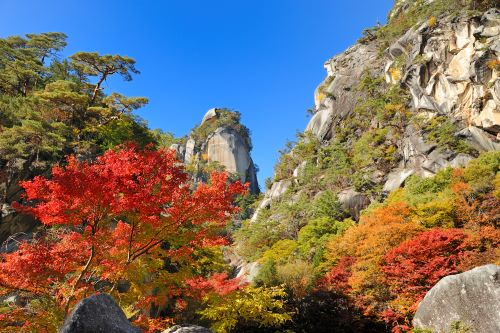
<point>218,283</point>
<point>415,266</point>
<point>129,209</point>
<point>337,279</point>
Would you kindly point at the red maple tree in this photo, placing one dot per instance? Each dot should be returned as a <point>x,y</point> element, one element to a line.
<point>131,215</point>
<point>415,266</point>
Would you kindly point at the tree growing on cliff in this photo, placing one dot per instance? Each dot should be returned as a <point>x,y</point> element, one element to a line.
<point>129,218</point>
<point>103,66</point>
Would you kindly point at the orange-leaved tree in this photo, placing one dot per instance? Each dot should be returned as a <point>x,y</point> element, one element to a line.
<point>128,223</point>
<point>356,255</point>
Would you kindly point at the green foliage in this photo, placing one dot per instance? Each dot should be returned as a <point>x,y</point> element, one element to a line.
<point>267,275</point>
<point>421,330</point>
<point>459,327</point>
<point>254,238</point>
<point>441,130</point>
<point>418,12</point>
<point>280,252</point>
<point>49,107</point>
<point>256,306</point>
<point>420,190</point>
<point>328,205</point>
<point>34,141</point>
<point>314,235</point>
<point>123,129</point>
<point>481,172</point>
<point>163,139</point>
<point>305,150</point>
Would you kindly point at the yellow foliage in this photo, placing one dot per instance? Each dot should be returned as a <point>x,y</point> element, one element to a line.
<point>395,74</point>
<point>263,306</point>
<point>494,64</point>
<point>378,231</point>
<point>297,275</point>
<point>432,21</point>
<point>436,213</point>
<point>496,182</point>
<point>280,251</point>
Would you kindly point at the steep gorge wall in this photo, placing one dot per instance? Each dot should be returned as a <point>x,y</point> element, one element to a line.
<point>450,69</point>
<point>446,70</point>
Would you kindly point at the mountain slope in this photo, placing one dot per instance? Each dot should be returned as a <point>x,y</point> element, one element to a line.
<point>410,105</point>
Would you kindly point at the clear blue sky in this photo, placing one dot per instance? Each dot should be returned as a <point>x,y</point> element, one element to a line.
<point>261,57</point>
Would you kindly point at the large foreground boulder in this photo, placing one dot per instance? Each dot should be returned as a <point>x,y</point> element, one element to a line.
<point>471,298</point>
<point>187,329</point>
<point>98,313</point>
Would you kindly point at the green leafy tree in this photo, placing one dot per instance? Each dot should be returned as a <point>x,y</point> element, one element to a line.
<point>103,66</point>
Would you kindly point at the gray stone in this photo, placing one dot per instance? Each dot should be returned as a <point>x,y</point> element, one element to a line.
<point>396,178</point>
<point>248,271</point>
<point>460,160</point>
<point>180,150</point>
<point>188,155</point>
<point>320,123</point>
<point>354,202</point>
<point>479,139</point>
<point>473,298</point>
<point>297,172</point>
<point>491,16</point>
<point>228,148</point>
<point>212,113</point>
<point>264,204</point>
<point>278,189</point>
<point>436,161</point>
<point>98,313</point>
<point>187,329</point>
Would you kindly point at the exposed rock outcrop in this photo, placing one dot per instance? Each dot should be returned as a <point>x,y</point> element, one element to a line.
<point>471,298</point>
<point>449,68</point>
<point>187,329</point>
<point>98,313</point>
<point>224,145</point>
<point>12,223</point>
<point>336,97</point>
<point>353,202</point>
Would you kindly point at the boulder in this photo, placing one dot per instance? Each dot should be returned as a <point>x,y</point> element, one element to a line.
<point>98,313</point>
<point>396,178</point>
<point>278,189</point>
<point>479,139</point>
<point>320,123</point>
<point>228,148</point>
<point>189,151</point>
<point>212,113</point>
<point>472,298</point>
<point>187,329</point>
<point>353,202</point>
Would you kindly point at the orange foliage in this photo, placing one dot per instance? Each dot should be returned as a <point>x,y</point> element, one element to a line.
<point>378,232</point>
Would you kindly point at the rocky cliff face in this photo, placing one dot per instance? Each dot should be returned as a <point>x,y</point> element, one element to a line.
<point>449,67</point>
<point>221,143</point>
<point>440,107</point>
